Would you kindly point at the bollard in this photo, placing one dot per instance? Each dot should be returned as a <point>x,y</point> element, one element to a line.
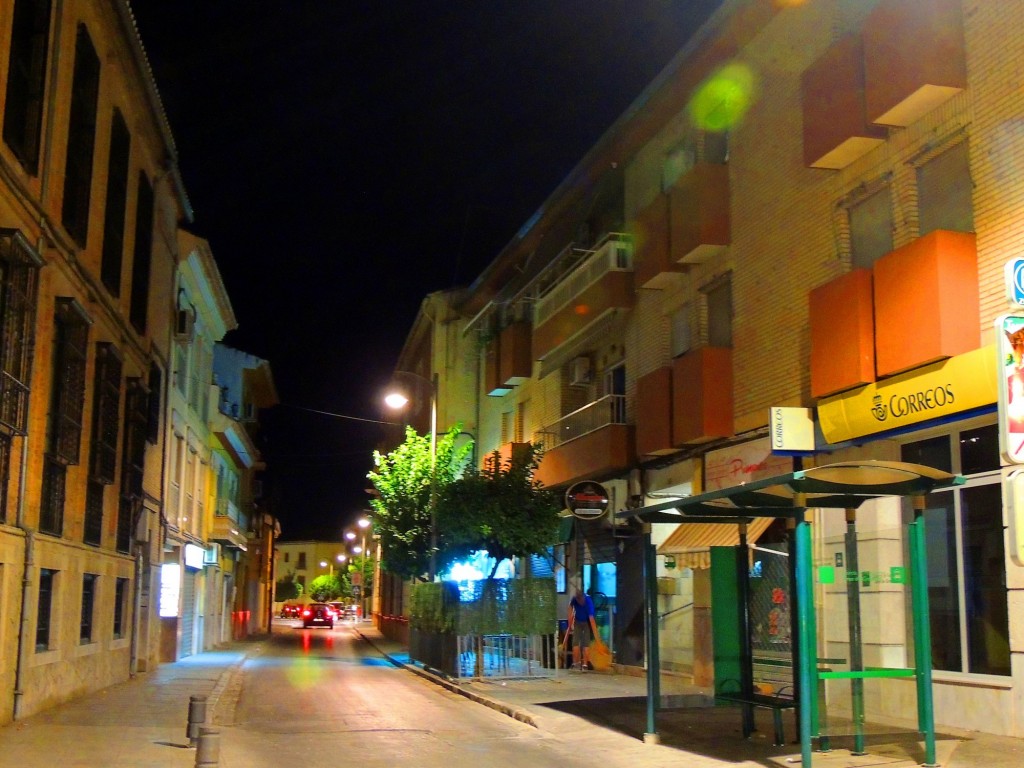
<point>196,717</point>
<point>208,748</point>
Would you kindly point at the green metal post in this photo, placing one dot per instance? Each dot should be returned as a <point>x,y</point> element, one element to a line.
<point>746,641</point>
<point>853,625</point>
<point>922,631</point>
<point>651,632</point>
<point>912,548</point>
<point>807,638</point>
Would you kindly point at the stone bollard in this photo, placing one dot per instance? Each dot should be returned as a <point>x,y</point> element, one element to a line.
<point>196,717</point>
<point>208,748</point>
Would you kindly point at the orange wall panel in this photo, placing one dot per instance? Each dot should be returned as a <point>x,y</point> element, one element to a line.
<point>699,210</point>
<point>654,412</point>
<point>926,301</point>
<point>652,256</point>
<point>613,291</point>
<point>842,333</point>
<point>702,399</point>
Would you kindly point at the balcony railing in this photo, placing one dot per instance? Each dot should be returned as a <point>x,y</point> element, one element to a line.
<point>614,253</point>
<point>610,409</point>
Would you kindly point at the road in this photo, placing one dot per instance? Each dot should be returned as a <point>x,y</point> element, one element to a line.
<point>320,697</point>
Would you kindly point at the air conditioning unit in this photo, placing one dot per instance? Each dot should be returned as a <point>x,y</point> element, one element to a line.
<point>580,372</point>
<point>184,324</point>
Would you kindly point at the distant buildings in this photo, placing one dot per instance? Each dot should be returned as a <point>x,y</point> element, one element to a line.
<point>811,207</point>
<point>132,530</point>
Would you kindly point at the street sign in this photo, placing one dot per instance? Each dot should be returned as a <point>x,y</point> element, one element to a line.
<point>357,591</point>
<point>357,578</point>
<point>587,500</point>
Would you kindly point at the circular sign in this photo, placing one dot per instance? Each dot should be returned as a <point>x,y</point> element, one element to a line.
<point>587,500</point>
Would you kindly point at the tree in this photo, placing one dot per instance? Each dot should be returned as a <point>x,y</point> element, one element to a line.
<point>325,588</point>
<point>402,515</point>
<point>287,589</point>
<point>502,509</point>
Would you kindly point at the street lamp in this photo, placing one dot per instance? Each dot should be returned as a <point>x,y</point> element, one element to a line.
<point>398,400</point>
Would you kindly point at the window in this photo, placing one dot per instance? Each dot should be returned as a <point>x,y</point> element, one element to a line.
<point>88,604</point>
<point>301,564</point>
<point>142,255</point>
<point>19,284</point>
<point>64,430</point>
<point>117,199</point>
<point>870,228</point>
<point>678,162</point>
<point>286,554</point>
<point>120,607</point>
<point>966,556</point>
<point>156,376</point>
<point>506,427</point>
<point>680,333</point>
<point>718,298</point>
<point>136,425</point>
<point>94,494</point>
<point>106,408</point>
<point>85,89</point>
<point>26,79</point>
<point>44,605</point>
<point>944,191</point>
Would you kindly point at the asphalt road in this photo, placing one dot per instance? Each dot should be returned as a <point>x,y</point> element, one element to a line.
<point>320,697</point>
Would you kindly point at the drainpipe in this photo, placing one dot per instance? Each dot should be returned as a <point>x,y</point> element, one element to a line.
<point>26,585</point>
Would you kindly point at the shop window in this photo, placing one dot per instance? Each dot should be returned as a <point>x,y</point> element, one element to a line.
<point>944,192</point>
<point>117,200</point>
<point>966,555</point>
<point>870,228</point>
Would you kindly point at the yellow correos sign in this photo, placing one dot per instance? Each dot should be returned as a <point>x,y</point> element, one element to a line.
<point>945,388</point>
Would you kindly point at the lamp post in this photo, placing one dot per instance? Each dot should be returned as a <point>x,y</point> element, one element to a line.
<point>398,400</point>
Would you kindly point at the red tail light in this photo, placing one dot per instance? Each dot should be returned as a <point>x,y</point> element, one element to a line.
<point>306,612</point>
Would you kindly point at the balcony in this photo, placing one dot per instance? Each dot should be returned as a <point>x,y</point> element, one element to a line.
<point>654,265</point>
<point>842,319</point>
<point>926,302</point>
<point>699,214</point>
<point>702,396</point>
<point>506,452</point>
<point>515,365</point>
<point>599,282</point>
<point>654,413</point>
<point>229,527</point>
<point>914,59</point>
<point>836,128</point>
<point>588,444</point>
<point>493,385</point>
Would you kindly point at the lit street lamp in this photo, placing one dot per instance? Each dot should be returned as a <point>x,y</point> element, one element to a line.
<point>398,400</point>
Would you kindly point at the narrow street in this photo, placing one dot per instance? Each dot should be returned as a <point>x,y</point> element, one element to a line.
<point>322,697</point>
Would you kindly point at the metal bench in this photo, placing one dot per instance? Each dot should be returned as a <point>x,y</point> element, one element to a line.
<point>776,702</point>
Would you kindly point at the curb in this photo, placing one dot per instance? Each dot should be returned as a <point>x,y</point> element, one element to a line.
<point>506,709</point>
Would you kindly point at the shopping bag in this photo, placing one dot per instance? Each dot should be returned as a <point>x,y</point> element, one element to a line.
<point>600,655</point>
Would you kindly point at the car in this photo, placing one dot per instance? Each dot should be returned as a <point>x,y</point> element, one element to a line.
<point>339,611</point>
<point>290,611</point>
<point>317,614</point>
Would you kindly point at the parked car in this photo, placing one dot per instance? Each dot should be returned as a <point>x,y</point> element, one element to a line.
<point>339,610</point>
<point>318,614</point>
<point>290,611</point>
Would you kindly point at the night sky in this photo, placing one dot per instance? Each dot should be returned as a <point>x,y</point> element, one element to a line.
<point>346,157</point>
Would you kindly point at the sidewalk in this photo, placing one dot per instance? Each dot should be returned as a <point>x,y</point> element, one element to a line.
<point>140,723</point>
<point>618,703</point>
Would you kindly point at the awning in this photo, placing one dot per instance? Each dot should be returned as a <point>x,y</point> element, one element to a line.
<point>691,544</point>
<point>566,525</point>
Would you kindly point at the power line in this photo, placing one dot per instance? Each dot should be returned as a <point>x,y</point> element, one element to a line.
<point>341,415</point>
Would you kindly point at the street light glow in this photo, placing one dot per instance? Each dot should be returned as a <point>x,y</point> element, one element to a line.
<point>396,400</point>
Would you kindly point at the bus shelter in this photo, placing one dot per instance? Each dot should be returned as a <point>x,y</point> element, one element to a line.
<point>839,488</point>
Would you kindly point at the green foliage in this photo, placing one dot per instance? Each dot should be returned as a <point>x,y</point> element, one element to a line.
<point>434,607</point>
<point>287,589</point>
<point>495,606</point>
<point>402,479</point>
<point>501,509</point>
<point>325,588</point>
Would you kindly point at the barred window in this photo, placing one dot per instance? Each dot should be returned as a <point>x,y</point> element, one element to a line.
<point>136,427</point>
<point>117,200</point>
<point>94,495</point>
<point>19,287</point>
<point>5,473</point>
<point>88,605</point>
<point>71,332</point>
<point>43,606</point>
<point>85,89</point>
<point>106,407</point>
<point>120,607</point>
<point>26,80</point>
<point>51,505</point>
<point>142,255</point>
<point>156,377</point>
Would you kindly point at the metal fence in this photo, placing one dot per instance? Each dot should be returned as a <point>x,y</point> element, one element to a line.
<point>610,409</point>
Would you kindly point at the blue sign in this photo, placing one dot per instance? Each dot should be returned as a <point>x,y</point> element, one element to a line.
<point>1015,282</point>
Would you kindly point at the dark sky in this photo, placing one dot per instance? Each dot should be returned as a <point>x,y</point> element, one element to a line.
<point>346,157</point>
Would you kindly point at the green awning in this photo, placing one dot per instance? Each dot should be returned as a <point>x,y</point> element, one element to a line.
<point>566,526</point>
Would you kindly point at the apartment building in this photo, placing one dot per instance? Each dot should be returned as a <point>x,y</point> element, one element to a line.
<point>95,272</point>
<point>811,207</point>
